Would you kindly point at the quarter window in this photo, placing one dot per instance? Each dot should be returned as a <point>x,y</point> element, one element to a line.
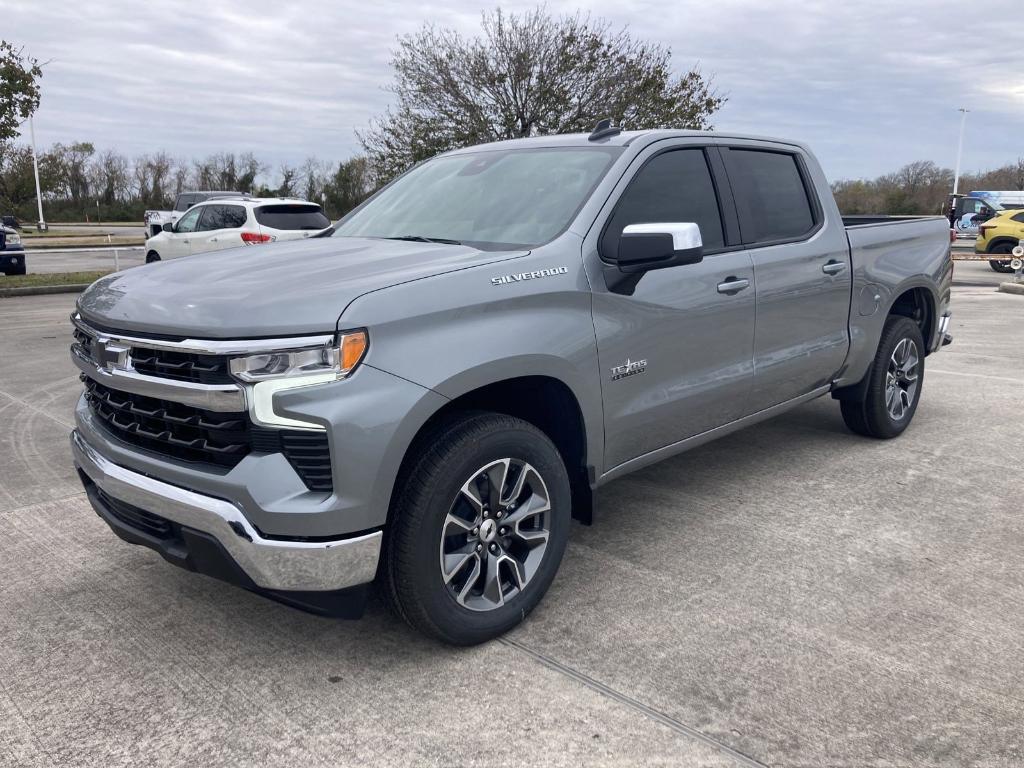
<point>1019,217</point>
<point>771,196</point>
<point>673,187</point>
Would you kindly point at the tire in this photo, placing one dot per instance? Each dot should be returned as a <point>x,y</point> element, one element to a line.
<point>152,256</point>
<point>440,535</point>
<point>875,415</point>
<point>1001,265</point>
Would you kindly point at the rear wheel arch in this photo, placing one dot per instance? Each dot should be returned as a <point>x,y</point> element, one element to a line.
<point>1003,244</point>
<point>919,305</point>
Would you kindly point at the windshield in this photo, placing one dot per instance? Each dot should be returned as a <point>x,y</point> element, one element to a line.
<point>489,200</point>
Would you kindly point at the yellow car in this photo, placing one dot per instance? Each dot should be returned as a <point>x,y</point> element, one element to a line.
<point>999,235</point>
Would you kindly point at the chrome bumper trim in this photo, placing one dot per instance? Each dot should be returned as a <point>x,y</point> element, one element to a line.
<point>211,397</point>
<point>271,564</point>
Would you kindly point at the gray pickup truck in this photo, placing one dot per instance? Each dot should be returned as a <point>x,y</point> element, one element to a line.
<point>426,394</point>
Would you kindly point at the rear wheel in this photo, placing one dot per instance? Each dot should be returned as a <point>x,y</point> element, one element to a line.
<point>152,256</point>
<point>894,383</point>
<point>480,523</point>
<point>1001,265</point>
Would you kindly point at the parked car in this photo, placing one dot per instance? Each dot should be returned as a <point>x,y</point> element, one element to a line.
<point>155,220</point>
<point>999,235</point>
<point>427,393</point>
<point>11,221</point>
<point>12,252</point>
<point>229,223</point>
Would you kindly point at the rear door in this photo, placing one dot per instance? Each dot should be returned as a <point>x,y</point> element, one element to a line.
<point>291,221</point>
<point>219,227</point>
<point>676,355</point>
<point>802,267</point>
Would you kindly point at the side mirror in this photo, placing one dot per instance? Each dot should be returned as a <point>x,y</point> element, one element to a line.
<point>168,227</point>
<point>643,247</point>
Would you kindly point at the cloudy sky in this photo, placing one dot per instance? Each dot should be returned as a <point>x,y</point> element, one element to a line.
<point>870,85</point>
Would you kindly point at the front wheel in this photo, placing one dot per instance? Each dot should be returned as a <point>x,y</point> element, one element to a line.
<point>894,383</point>
<point>1000,266</point>
<point>480,523</point>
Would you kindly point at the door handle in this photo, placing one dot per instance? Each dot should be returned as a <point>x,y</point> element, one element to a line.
<point>186,242</point>
<point>733,285</point>
<point>833,267</point>
<point>213,239</point>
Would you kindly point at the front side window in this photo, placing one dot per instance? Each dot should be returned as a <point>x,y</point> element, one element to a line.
<point>673,187</point>
<point>222,217</point>
<point>771,196</point>
<point>187,223</point>
<point>491,200</point>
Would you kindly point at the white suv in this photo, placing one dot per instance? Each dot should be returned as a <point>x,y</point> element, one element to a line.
<point>228,223</point>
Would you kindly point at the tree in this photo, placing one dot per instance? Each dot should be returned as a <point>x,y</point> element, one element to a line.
<point>349,186</point>
<point>528,75</point>
<point>19,89</point>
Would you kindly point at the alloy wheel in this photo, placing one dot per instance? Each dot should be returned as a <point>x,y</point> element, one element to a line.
<point>901,379</point>
<point>495,534</point>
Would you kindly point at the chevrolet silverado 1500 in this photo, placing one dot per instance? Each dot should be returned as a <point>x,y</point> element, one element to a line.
<point>427,393</point>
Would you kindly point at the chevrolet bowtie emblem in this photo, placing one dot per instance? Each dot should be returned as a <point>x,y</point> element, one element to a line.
<point>109,355</point>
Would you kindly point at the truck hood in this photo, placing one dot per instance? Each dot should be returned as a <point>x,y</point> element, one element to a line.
<point>281,289</point>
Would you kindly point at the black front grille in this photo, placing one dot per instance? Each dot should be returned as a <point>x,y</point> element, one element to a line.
<point>172,429</point>
<point>139,519</point>
<point>209,437</point>
<point>181,366</point>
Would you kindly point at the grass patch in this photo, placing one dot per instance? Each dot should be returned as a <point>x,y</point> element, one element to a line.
<point>56,278</point>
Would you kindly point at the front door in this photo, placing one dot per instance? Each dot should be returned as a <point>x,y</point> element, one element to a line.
<point>179,241</point>
<point>676,355</point>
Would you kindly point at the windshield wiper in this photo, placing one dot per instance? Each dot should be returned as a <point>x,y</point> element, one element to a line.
<point>422,239</point>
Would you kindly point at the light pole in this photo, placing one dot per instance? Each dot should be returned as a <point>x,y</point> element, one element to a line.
<point>959,149</point>
<point>41,224</point>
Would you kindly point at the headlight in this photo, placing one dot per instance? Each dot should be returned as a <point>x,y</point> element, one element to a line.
<point>14,238</point>
<point>335,360</point>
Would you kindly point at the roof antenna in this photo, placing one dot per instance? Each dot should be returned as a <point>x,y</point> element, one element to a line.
<point>603,130</point>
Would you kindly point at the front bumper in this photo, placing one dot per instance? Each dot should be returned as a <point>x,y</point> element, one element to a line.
<point>273,565</point>
<point>12,258</point>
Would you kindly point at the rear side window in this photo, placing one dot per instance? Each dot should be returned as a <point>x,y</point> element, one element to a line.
<point>672,187</point>
<point>1019,217</point>
<point>184,202</point>
<point>222,217</point>
<point>290,216</point>
<point>771,196</point>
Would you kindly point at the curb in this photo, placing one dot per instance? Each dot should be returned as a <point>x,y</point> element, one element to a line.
<point>43,247</point>
<point>42,290</point>
<point>1017,288</point>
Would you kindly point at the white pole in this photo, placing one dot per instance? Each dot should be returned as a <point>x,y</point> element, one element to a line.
<point>35,167</point>
<point>959,149</point>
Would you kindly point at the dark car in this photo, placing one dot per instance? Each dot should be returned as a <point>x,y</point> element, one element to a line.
<point>12,252</point>
<point>10,221</point>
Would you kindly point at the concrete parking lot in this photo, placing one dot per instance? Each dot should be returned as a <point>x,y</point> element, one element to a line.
<point>790,595</point>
